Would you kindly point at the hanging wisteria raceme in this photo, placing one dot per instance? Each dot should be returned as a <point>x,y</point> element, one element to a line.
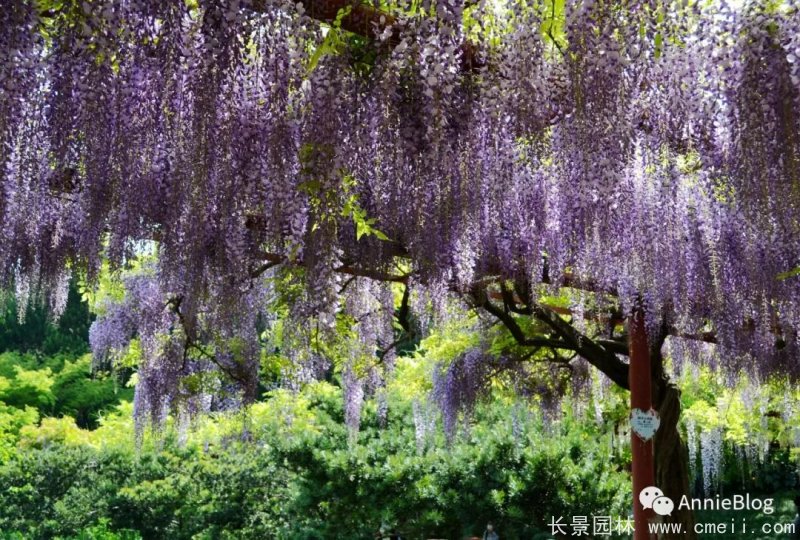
<point>712,439</point>
<point>172,350</point>
<point>650,150</point>
<point>691,444</point>
<point>711,456</point>
<point>353,389</point>
<point>520,419</point>
<point>424,424</point>
<point>143,313</point>
<point>458,385</point>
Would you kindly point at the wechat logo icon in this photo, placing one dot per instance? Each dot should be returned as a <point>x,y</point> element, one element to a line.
<point>652,497</point>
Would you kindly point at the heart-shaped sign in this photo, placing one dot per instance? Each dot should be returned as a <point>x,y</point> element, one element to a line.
<point>645,423</point>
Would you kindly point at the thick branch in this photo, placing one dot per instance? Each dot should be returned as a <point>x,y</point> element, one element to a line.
<point>614,346</point>
<point>369,22</point>
<point>597,355</point>
<point>483,301</point>
<point>569,337</point>
<point>274,259</point>
<point>404,311</point>
<point>191,343</point>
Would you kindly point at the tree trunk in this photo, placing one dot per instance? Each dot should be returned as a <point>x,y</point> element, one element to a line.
<point>671,454</point>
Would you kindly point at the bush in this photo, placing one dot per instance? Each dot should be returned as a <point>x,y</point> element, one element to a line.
<point>303,480</point>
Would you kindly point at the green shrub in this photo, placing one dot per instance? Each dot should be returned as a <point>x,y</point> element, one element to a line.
<point>308,482</point>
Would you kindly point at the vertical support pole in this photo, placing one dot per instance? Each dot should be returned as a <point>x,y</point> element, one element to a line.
<point>643,469</point>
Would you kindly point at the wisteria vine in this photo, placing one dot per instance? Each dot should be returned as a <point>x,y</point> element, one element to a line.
<point>649,148</point>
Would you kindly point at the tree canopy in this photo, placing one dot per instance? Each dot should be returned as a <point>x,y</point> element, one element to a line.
<point>639,153</point>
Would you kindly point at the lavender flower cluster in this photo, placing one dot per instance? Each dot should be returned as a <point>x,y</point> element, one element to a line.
<point>651,149</point>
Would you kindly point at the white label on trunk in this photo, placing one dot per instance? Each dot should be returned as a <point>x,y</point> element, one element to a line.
<point>645,423</point>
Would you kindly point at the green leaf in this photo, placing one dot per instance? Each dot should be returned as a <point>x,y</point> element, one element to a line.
<point>361,229</point>
<point>332,44</point>
<point>789,274</point>
<point>553,22</point>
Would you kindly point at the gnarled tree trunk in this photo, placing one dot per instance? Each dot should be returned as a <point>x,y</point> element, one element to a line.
<point>671,455</point>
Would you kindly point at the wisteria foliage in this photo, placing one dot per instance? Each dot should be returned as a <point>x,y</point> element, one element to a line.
<point>183,368</point>
<point>649,148</point>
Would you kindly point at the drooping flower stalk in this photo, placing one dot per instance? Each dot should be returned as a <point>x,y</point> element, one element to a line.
<point>234,133</point>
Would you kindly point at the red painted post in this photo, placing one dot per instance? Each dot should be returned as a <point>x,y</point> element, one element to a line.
<point>643,469</point>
